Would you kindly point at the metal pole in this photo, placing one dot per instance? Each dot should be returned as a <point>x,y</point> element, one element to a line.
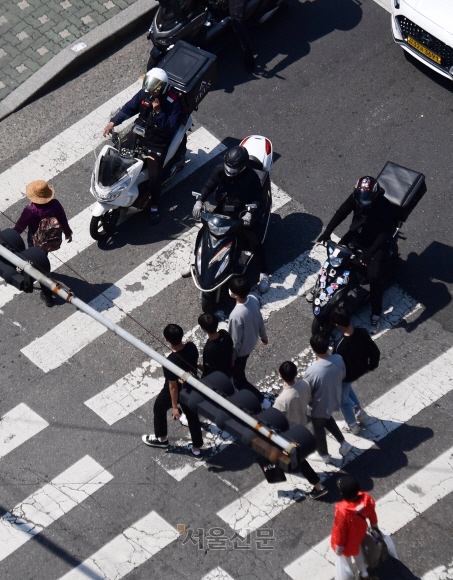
<point>23,266</point>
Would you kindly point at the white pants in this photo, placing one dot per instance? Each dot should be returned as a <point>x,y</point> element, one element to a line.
<point>360,563</point>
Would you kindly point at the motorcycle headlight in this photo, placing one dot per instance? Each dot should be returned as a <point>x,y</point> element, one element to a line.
<point>199,259</point>
<point>113,193</point>
<point>216,231</point>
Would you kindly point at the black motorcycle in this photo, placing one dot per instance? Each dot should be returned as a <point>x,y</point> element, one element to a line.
<point>203,23</point>
<point>342,280</point>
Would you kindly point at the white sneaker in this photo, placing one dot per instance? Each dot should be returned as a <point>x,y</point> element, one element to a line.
<point>316,457</point>
<point>186,272</point>
<point>375,324</point>
<point>354,429</point>
<point>264,284</point>
<point>345,448</point>
<point>183,420</point>
<point>362,417</point>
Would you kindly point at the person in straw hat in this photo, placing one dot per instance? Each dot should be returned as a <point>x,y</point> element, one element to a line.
<point>43,205</point>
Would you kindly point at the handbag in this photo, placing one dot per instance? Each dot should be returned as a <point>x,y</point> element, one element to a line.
<point>374,547</point>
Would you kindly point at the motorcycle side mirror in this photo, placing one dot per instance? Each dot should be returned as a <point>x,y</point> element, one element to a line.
<point>196,195</point>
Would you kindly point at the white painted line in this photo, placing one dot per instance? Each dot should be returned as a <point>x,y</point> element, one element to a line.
<point>395,510</point>
<point>49,503</point>
<point>133,547</point>
<point>18,426</point>
<point>386,4</point>
<point>62,151</point>
<point>217,574</point>
<point>201,148</point>
<point>396,407</point>
<point>440,573</point>
<point>148,279</point>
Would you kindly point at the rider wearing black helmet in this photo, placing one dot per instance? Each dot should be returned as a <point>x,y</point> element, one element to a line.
<point>370,230</point>
<point>236,184</point>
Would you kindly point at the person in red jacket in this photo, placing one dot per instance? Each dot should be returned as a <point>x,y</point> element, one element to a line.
<point>350,523</point>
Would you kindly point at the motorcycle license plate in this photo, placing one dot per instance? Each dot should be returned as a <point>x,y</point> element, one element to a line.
<point>429,53</point>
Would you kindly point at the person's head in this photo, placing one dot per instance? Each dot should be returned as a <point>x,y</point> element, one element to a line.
<point>341,317</point>
<point>365,192</point>
<point>208,323</point>
<point>240,287</point>
<point>39,192</point>
<point>349,487</point>
<point>173,333</point>
<point>155,82</point>
<point>288,371</point>
<point>235,161</point>
<point>319,343</point>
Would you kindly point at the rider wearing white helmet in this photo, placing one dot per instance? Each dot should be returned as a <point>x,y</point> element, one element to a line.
<point>159,115</point>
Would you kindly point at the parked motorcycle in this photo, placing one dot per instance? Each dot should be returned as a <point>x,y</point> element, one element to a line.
<point>219,253</point>
<point>120,174</point>
<point>342,280</point>
<point>202,23</point>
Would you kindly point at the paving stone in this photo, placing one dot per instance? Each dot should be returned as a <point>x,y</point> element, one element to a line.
<point>42,51</point>
<point>32,65</point>
<point>22,35</point>
<point>2,53</point>
<point>23,5</point>
<point>2,85</point>
<point>11,39</point>
<point>3,20</point>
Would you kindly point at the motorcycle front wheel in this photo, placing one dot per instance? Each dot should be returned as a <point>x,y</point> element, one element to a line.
<point>207,302</point>
<point>103,225</point>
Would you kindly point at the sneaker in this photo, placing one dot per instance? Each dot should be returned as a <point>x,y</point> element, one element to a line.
<point>345,448</point>
<point>362,417</point>
<point>375,324</point>
<point>316,457</point>
<point>317,493</point>
<point>264,283</point>
<point>354,429</point>
<point>309,296</point>
<point>152,441</point>
<point>197,456</point>
<point>48,300</point>
<point>186,272</point>
<point>183,420</point>
<point>154,217</point>
<point>266,404</point>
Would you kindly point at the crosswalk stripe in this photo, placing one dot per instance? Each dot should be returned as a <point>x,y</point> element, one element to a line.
<point>217,574</point>
<point>440,573</point>
<point>62,151</point>
<point>397,406</point>
<point>133,547</point>
<point>49,503</point>
<point>395,510</point>
<point>201,148</point>
<point>148,279</point>
<point>18,426</point>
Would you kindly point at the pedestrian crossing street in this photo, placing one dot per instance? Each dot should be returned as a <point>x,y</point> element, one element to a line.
<point>245,504</point>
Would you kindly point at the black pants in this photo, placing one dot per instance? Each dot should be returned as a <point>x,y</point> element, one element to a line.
<point>240,380</point>
<point>237,13</point>
<point>309,473</point>
<point>250,235</point>
<point>319,431</point>
<point>155,172</point>
<point>162,405</point>
<point>46,291</point>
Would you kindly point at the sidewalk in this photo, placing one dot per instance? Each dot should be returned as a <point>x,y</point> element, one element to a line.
<point>46,36</point>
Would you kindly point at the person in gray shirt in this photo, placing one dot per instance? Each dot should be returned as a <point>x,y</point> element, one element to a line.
<point>245,326</point>
<point>325,377</point>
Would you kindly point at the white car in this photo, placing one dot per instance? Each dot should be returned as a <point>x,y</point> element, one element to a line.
<point>424,28</point>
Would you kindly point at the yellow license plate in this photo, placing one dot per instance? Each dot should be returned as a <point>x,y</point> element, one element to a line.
<point>429,53</point>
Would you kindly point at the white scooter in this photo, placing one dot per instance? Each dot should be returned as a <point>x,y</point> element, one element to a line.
<point>118,175</point>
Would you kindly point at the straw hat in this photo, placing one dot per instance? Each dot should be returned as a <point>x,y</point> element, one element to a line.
<point>39,191</point>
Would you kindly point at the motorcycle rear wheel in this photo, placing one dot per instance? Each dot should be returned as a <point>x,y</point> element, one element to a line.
<point>103,225</point>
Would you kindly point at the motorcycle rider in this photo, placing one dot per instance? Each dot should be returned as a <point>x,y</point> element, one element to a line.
<point>370,230</point>
<point>236,184</point>
<point>159,116</point>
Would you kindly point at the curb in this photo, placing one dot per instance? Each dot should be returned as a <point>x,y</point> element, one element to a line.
<point>82,50</point>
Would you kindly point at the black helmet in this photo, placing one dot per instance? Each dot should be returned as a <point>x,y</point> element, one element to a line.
<point>366,190</point>
<point>235,161</point>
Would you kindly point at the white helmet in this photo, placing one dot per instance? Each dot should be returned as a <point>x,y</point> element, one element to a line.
<point>156,79</point>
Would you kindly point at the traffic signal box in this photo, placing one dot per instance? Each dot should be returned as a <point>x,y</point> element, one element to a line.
<point>300,440</point>
<point>13,242</point>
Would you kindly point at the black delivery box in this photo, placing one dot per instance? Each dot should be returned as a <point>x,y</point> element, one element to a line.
<point>403,187</point>
<point>191,71</point>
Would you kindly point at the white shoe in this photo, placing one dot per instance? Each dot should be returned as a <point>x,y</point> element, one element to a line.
<point>183,420</point>
<point>362,417</point>
<point>375,324</point>
<point>264,284</point>
<point>345,448</point>
<point>316,457</point>
<point>186,272</point>
<point>354,429</point>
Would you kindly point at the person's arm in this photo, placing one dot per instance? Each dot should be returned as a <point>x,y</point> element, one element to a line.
<point>60,214</point>
<point>236,332</point>
<point>174,394</point>
<point>127,111</point>
<point>339,532</point>
<point>171,119</point>
<point>340,215</point>
<point>212,183</point>
<point>22,222</point>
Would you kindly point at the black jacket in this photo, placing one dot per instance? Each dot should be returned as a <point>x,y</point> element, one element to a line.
<point>237,191</point>
<point>359,352</point>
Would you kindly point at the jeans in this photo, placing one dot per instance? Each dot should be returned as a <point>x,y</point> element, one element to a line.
<point>349,400</point>
<point>319,431</point>
<point>240,380</point>
<point>162,405</point>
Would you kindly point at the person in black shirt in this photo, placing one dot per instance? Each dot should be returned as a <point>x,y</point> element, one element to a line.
<point>370,230</point>
<point>360,355</point>
<point>218,350</point>
<point>185,356</point>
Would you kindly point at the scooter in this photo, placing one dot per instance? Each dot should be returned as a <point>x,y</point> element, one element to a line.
<point>202,23</point>
<point>342,280</point>
<point>219,255</point>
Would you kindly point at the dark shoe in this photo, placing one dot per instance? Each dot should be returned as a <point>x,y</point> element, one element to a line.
<point>316,494</point>
<point>154,217</point>
<point>48,300</point>
<point>152,441</point>
<point>198,457</point>
<point>249,62</point>
<point>375,324</point>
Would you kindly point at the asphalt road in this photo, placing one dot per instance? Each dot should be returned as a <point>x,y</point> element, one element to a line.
<point>338,99</point>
